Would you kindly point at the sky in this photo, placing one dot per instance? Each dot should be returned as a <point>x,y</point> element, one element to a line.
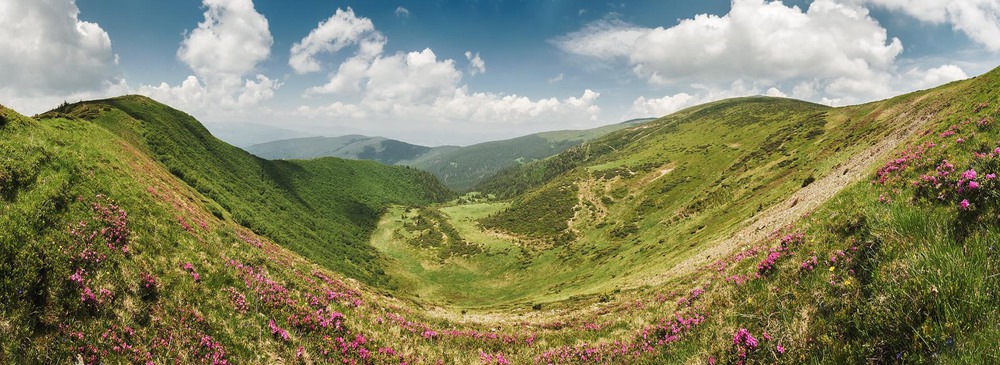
<point>458,72</point>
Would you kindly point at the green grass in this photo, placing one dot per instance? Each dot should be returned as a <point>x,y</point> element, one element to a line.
<point>323,209</point>
<point>914,277</point>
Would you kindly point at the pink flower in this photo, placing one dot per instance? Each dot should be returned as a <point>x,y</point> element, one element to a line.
<point>78,276</point>
<point>959,140</point>
<point>743,338</point>
<point>990,176</point>
<point>278,332</point>
<point>781,349</point>
<point>87,296</point>
<point>964,204</point>
<point>969,174</point>
<point>973,185</point>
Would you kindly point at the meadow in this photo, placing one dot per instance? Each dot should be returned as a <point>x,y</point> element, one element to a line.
<point>750,230</point>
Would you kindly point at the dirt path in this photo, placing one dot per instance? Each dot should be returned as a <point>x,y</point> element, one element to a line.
<point>801,202</point>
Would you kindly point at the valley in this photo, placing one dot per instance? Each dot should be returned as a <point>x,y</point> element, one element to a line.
<point>753,229</point>
<point>458,168</point>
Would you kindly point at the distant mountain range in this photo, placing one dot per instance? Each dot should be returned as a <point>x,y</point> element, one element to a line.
<point>247,134</point>
<point>459,168</point>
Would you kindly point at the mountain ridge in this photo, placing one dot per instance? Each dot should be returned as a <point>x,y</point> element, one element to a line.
<point>458,167</point>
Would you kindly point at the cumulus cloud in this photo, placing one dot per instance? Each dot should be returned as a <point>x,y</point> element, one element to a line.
<point>978,19</point>
<point>231,41</point>
<point>48,50</point>
<point>834,44</point>
<point>476,63</point>
<point>340,30</point>
<point>658,107</point>
<point>922,79</point>
<point>225,48</point>
<point>416,86</point>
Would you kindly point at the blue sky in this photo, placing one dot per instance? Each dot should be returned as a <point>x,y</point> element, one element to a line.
<point>460,72</point>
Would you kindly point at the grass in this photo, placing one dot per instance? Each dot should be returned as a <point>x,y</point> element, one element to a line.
<point>324,209</point>
<point>164,269</point>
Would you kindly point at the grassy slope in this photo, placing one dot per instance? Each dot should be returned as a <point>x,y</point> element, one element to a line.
<point>642,199</point>
<point>658,194</point>
<point>108,257</point>
<point>920,287</point>
<point>323,209</point>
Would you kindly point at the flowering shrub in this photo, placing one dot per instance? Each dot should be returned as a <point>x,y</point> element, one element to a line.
<point>188,267</point>
<point>148,287</point>
<point>278,332</point>
<point>497,358</point>
<point>745,344</point>
<point>809,264</point>
<point>238,299</point>
<point>265,290</point>
<point>769,262</point>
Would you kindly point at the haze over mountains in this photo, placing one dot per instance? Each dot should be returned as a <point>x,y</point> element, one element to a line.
<point>459,168</point>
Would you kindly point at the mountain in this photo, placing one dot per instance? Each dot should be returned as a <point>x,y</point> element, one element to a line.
<point>459,168</point>
<point>749,230</point>
<point>358,147</point>
<point>248,134</point>
<point>323,209</point>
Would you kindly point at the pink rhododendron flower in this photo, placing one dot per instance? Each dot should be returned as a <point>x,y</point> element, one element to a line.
<point>969,174</point>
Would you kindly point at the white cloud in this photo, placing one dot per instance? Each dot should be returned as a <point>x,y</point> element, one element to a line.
<point>231,41</point>
<point>658,107</point>
<point>49,53</point>
<point>922,79</point>
<point>605,39</point>
<point>226,47</point>
<point>30,104</point>
<point>773,91</point>
<point>340,30</point>
<point>833,44</point>
<point>476,63</point>
<point>978,19</point>
<point>403,90</point>
<point>557,78</point>
<point>402,12</point>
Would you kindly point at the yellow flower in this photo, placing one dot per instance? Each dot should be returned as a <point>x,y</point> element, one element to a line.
<point>749,300</point>
<point>847,282</point>
<point>833,268</point>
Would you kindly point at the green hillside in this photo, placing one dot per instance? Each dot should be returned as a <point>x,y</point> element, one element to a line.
<point>459,168</point>
<point>687,197</point>
<point>749,230</point>
<point>323,209</point>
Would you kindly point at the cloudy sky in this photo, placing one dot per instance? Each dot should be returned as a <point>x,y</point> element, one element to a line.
<point>466,71</point>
